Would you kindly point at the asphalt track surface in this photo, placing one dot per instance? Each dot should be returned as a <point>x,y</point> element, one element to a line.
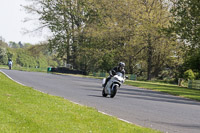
<point>142,107</point>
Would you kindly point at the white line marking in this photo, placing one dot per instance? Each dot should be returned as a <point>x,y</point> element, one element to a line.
<point>73,102</point>
<point>12,79</point>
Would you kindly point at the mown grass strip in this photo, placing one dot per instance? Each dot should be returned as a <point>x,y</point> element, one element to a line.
<point>167,88</point>
<point>23,109</point>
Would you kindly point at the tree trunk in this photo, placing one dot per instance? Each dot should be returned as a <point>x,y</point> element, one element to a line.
<point>68,50</point>
<point>130,65</point>
<point>149,60</point>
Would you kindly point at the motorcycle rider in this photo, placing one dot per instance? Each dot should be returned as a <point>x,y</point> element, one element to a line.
<point>10,64</point>
<point>119,68</point>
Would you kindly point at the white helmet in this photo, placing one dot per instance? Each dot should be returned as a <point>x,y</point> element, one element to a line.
<point>122,64</point>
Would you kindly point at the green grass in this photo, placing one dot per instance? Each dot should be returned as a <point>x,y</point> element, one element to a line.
<point>30,69</point>
<point>4,66</point>
<point>23,109</point>
<point>168,88</point>
<point>25,68</point>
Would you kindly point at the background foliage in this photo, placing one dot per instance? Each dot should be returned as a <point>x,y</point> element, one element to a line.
<point>33,56</point>
<point>155,38</point>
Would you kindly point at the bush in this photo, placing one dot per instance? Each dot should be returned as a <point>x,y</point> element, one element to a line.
<point>197,75</point>
<point>3,56</point>
<point>189,75</point>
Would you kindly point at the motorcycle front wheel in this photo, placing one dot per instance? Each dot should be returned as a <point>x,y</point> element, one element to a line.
<point>114,91</point>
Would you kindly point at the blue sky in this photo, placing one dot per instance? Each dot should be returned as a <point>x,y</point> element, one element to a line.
<point>12,26</point>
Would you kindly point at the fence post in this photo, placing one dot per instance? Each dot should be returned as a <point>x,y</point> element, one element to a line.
<point>49,69</point>
<point>102,74</point>
<point>133,77</point>
<point>94,74</point>
<point>190,84</point>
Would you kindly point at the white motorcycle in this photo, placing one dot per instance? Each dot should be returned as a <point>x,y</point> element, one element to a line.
<point>113,85</point>
<point>10,65</point>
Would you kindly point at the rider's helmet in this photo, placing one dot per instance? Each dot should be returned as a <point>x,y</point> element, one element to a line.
<point>121,65</point>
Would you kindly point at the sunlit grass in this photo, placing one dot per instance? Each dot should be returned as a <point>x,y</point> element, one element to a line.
<point>33,69</point>
<point>25,110</point>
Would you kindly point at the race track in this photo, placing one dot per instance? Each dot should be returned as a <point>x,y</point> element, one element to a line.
<point>140,106</point>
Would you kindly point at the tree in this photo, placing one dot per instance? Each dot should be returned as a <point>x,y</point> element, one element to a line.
<point>65,19</point>
<point>3,56</point>
<point>128,31</point>
<point>132,33</point>
<point>192,61</point>
<point>155,47</point>
<point>13,45</point>
<point>186,21</point>
<point>189,75</point>
<point>2,42</point>
<point>185,26</point>
<point>3,51</point>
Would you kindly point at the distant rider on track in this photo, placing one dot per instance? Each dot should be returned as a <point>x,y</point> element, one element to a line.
<point>10,64</point>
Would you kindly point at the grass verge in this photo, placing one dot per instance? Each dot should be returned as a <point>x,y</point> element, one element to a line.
<point>23,109</point>
<point>168,88</point>
<point>25,68</point>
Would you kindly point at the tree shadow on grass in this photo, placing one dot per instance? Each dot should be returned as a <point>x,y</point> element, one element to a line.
<point>170,89</point>
<point>145,94</point>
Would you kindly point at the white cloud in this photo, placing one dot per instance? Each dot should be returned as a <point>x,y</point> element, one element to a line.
<point>12,26</point>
